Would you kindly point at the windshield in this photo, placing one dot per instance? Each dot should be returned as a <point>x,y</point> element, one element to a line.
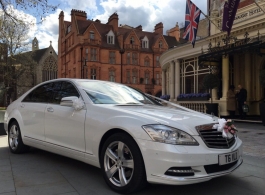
<point>113,93</point>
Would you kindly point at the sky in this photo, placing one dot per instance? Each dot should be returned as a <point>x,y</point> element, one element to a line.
<point>131,12</point>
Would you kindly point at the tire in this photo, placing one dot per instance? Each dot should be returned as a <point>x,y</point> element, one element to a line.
<point>15,142</point>
<point>122,164</point>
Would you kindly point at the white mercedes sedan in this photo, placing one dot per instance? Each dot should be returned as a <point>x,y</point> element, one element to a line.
<point>132,137</point>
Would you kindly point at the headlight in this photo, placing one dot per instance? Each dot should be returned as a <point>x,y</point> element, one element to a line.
<point>169,135</point>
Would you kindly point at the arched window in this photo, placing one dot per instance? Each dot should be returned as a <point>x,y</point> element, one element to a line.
<point>49,69</point>
<point>112,74</point>
<point>146,61</point>
<point>147,77</point>
<point>134,76</point>
<point>93,72</point>
<point>92,35</point>
<point>160,44</point>
<point>132,40</point>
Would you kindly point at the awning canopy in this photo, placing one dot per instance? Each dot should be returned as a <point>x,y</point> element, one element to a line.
<point>214,55</point>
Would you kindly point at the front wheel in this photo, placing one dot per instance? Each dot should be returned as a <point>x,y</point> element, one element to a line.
<point>15,142</point>
<point>122,164</point>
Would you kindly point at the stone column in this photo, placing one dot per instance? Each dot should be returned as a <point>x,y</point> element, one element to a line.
<point>225,83</point>
<point>225,76</point>
<point>163,82</point>
<point>214,90</point>
<point>172,81</point>
<point>247,84</point>
<point>177,78</point>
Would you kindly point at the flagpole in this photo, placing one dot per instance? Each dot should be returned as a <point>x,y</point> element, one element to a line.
<point>259,6</point>
<point>210,21</point>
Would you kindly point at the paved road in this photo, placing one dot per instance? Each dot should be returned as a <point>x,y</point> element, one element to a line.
<point>43,173</point>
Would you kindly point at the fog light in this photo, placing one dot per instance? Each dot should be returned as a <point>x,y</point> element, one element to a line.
<point>180,171</point>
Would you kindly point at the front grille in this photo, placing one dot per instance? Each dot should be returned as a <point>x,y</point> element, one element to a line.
<point>213,138</point>
<point>218,168</point>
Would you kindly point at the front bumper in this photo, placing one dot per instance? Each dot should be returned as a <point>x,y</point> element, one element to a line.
<point>159,157</point>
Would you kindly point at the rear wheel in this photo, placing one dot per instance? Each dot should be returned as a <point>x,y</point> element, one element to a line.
<point>122,164</point>
<point>15,142</point>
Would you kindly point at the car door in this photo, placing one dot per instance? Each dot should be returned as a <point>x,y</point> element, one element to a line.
<point>64,127</point>
<point>32,109</point>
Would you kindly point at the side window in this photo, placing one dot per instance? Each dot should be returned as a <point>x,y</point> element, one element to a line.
<point>41,95</point>
<point>56,89</point>
<point>64,89</point>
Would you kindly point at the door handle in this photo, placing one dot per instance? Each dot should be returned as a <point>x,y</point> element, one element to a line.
<point>22,105</point>
<point>50,109</point>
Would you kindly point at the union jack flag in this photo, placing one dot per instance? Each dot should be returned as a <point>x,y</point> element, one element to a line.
<point>192,18</point>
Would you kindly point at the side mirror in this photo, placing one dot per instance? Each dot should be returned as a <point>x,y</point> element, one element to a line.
<point>72,101</point>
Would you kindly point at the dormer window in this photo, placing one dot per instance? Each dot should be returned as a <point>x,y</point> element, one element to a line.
<point>110,37</point>
<point>132,40</point>
<point>160,44</point>
<point>69,29</point>
<point>92,35</point>
<point>145,42</point>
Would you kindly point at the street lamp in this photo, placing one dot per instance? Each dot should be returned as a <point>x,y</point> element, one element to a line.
<point>83,68</point>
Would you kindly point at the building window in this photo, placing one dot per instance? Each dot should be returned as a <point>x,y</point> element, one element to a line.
<point>128,58</point>
<point>86,55</point>
<point>112,57</point>
<point>110,39</point>
<point>93,73</point>
<point>69,29</point>
<point>134,58</point>
<point>112,75</point>
<point>157,61</point>
<point>69,73</point>
<point>145,44</point>
<point>157,78</point>
<point>146,61</point>
<point>128,76</point>
<point>92,35</point>
<point>134,76</point>
<point>49,70</point>
<point>146,77</point>
<point>160,44</point>
<point>132,40</point>
<point>93,54</point>
<point>191,76</point>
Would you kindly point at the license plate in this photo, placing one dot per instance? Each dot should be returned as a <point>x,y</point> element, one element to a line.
<point>228,157</point>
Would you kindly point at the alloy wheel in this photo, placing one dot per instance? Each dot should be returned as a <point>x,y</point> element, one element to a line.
<point>13,137</point>
<point>118,163</point>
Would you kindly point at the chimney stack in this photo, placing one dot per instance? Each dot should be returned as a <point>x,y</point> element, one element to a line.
<point>159,28</point>
<point>113,21</point>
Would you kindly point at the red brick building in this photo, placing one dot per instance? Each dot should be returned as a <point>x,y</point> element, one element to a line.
<point>113,52</point>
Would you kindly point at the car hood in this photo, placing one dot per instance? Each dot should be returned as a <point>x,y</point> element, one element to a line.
<point>174,117</point>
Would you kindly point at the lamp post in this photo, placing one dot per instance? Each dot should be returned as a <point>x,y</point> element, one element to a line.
<point>121,52</point>
<point>83,68</point>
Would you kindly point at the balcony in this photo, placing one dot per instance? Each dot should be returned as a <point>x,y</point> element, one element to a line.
<point>131,47</point>
<point>159,50</point>
<point>91,41</point>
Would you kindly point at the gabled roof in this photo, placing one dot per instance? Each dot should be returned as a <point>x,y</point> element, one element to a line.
<point>36,55</point>
<point>103,30</point>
